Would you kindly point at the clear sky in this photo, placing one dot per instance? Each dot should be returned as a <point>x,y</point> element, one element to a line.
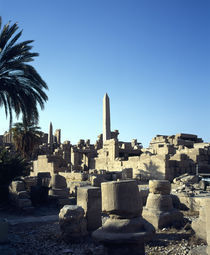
<point>152,57</point>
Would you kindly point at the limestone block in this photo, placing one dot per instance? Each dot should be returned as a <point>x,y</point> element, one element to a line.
<point>21,203</point>
<point>62,193</point>
<point>75,176</point>
<point>17,186</point>
<point>72,223</point>
<point>159,187</point>
<point>121,198</point>
<point>58,181</point>
<point>159,202</point>
<point>161,219</point>
<point>89,198</point>
<point>3,230</point>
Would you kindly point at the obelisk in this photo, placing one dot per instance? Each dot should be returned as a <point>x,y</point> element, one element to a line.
<point>106,119</point>
<point>50,134</point>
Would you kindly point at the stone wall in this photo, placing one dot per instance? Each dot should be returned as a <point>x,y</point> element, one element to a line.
<point>49,163</point>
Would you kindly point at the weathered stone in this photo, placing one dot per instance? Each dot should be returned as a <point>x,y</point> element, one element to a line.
<point>162,187</point>
<point>202,224</point>
<point>72,223</point>
<point>17,186</point>
<point>59,190</point>
<point>159,210</point>
<point>159,202</point>
<point>62,193</point>
<point>121,198</point>
<point>89,198</point>
<point>125,231</point>
<point>58,182</point>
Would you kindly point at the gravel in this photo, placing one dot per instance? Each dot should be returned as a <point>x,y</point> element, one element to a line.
<point>44,239</point>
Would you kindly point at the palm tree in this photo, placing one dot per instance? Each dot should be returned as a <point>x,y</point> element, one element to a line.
<point>21,87</point>
<point>26,137</point>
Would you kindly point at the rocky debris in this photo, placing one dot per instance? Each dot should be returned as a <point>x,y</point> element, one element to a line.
<point>44,239</point>
<point>20,197</point>
<point>191,185</point>
<point>73,224</point>
<point>187,179</point>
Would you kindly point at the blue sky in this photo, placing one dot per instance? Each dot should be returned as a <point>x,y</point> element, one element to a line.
<point>152,57</point>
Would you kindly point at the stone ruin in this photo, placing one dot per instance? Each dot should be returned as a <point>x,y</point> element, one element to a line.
<point>59,190</point>
<point>87,180</point>
<point>125,231</point>
<point>20,197</point>
<point>159,210</point>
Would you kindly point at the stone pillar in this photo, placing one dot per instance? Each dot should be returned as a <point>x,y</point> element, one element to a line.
<point>125,231</point>
<point>58,136</point>
<point>159,210</point>
<point>89,198</point>
<point>106,119</point>
<point>50,134</point>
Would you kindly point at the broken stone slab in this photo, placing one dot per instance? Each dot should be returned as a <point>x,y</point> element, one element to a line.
<point>73,224</point>
<point>89,198</point>
<point>187,179</point>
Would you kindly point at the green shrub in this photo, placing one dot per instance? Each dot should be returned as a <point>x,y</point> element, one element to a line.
<point>11,166</point>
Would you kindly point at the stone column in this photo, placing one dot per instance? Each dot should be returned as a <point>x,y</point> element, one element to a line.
<point>125,231</point>
<point>106,119</point>
<point>58,136</point>
<point>159,210</point>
